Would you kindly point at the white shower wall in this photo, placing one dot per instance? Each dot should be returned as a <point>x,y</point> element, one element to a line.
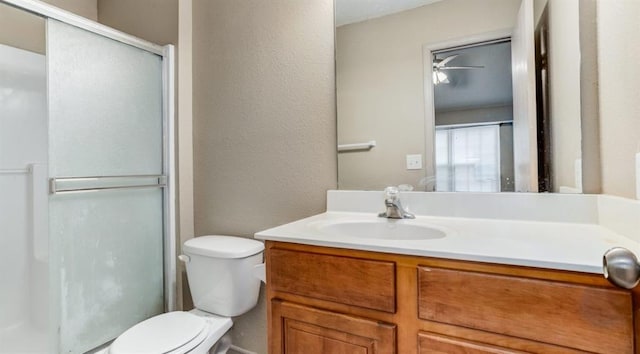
<point>23,202</point>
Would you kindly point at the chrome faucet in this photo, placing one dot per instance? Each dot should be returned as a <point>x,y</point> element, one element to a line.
<point>394,207</point>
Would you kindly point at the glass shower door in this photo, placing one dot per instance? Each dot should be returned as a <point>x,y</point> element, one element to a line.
<point>106,178</point>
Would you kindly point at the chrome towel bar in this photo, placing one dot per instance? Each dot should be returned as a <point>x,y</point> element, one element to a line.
<point>61,185</point>
<point>359,146</point>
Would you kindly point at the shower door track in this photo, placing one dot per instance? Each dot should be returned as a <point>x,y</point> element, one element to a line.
<point>167,53</point>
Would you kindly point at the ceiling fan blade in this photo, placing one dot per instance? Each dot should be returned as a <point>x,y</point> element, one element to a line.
<point>444,61</point>
<point>460,67</point>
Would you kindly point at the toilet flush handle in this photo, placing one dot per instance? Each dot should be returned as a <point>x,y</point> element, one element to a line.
<point>184,258</point>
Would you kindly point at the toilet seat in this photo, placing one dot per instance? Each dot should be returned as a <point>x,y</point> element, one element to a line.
<point>173,332</point>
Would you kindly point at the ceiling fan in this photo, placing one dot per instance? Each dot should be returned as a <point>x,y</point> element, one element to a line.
<point>439,65</point>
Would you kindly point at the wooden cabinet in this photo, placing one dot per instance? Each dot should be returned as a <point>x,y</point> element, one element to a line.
<point>306,330</point>
<point>324,300</point>
<point>578,316</point>
<point>358,282</point>
<point>432,343</point>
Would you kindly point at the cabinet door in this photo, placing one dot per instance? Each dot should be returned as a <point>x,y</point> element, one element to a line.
<point>431,343</point>
<point>298,329</point>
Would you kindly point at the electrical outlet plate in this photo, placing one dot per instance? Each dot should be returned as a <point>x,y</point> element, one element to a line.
<point>414,162</point>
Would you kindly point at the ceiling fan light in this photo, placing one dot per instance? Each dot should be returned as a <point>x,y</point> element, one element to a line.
<point>440,78</point>
<point>443,77</point>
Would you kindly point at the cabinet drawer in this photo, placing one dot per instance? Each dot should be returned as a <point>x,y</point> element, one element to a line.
<point>351,281</point>
<point>432,343</point>
<point>582,317</point>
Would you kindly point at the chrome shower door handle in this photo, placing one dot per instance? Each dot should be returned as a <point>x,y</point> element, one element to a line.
<point>60,185</point>
<point>621,267</point>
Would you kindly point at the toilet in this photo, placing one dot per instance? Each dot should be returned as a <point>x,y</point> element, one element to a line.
<point>224,280</point>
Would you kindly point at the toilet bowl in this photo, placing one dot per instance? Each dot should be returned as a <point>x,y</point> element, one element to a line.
<point>223,283</point>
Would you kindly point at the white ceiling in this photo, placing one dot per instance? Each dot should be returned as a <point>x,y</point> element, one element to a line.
<point>352,11</point>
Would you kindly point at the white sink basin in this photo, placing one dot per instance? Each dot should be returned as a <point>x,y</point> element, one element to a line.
<point>382,229</point>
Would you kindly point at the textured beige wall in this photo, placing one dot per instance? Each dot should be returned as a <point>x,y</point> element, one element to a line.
<point>84,8</point>
<point>27,31</point>
<point>380,84</point>
<point>619,77</point>
<point>21,29</point>
<point>264,121</point>
<point>564,90</point>
<point>153,20</point>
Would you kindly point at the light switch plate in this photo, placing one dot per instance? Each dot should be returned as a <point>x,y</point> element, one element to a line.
<point>414,162</point>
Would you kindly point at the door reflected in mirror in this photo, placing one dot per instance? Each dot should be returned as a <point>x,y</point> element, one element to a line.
<point>459,95</point>
<point>473,104</point>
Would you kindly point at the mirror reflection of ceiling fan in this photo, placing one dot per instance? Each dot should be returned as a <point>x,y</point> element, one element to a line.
<point>440,66</point>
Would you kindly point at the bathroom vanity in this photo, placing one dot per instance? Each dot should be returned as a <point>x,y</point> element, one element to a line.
<point>512,290</point>
<point>328,300</point>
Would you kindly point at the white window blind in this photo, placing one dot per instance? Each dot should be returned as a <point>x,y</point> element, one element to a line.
<point>468,159</point>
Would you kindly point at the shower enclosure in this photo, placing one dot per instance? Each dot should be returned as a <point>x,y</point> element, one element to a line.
<point>87,247</point>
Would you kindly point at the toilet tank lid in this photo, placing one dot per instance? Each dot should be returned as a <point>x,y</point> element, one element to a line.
<point>223,246</point>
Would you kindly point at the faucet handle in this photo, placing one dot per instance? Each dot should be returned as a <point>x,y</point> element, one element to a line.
<point>394,207</point>
<point>391,192</point>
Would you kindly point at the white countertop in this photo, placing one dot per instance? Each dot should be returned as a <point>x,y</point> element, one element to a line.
<point>543,244</point>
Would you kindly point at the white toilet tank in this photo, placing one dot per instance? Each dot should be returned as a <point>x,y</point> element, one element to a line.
<point>219,269</point>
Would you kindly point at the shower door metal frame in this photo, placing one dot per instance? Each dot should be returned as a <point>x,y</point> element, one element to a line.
<point>167,53</point>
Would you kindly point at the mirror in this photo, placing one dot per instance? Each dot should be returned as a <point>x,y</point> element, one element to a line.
<point>459,95</point>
